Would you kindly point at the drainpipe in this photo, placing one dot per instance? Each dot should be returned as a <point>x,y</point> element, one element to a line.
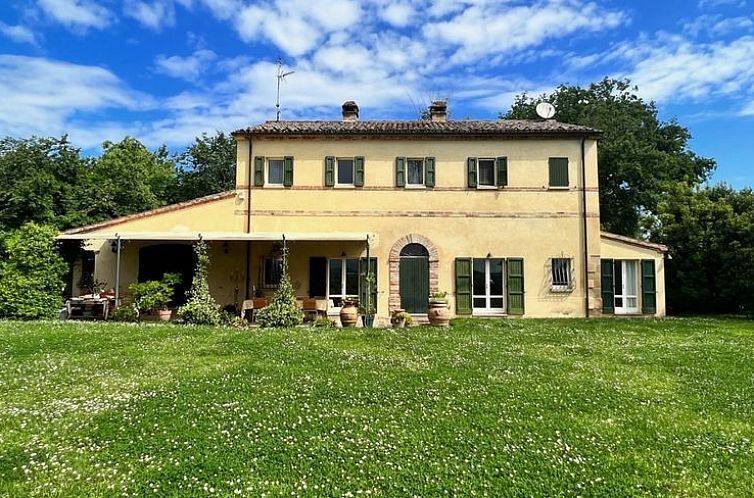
<point>117,270</point>
<point>585,228</point>
<point>249,171</point>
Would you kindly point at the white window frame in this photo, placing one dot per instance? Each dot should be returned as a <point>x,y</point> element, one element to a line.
<point>488,297</point>
<point>479,170</point>
<point>267,175</point>
<point>423,182</point>
<point>353,172</point>
<point>342,294</point>
<point>625,309</point>
<point>264,283</point>
<point>566,272</point>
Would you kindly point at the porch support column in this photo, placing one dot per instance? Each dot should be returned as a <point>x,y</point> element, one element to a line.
<point>369,280</point>
<point>117,270</point>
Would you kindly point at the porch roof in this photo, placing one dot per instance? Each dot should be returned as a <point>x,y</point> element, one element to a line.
<point>223,236</point>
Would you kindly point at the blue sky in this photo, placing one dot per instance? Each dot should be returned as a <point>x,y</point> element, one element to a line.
<point>165,71</point>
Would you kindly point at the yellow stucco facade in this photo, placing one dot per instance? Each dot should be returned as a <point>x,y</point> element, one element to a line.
<point>527,219</point>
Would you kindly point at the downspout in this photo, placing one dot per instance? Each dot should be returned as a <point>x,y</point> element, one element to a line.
<point>117,271</point>
<point>585,228</point>
<point>249,171</point>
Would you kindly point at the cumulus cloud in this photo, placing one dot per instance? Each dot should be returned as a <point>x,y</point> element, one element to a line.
<point>188,68</point>
<point>18,33</point>
<point>77,14</point>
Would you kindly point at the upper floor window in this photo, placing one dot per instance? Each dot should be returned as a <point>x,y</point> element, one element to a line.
<point>415,172</point>
<point>558,172</point>
<point>344,171</point>
<point>273,171</point>
<point>345,174</point>
<point>484,172</point>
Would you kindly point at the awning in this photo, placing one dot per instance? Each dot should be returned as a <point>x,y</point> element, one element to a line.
<point>223,236</point>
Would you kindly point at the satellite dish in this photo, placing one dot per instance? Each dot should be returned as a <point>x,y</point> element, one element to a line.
<point>545,110</point>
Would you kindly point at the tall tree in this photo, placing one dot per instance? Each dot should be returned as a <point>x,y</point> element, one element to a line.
<point>207,167</point>
<point>128,178</point>
<point>639,155</point>
<point>44,180</point>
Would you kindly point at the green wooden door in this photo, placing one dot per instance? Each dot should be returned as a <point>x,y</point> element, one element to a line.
<point>414,284</point>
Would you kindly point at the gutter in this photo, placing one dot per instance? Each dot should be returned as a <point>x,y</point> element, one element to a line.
<point>585,228</point>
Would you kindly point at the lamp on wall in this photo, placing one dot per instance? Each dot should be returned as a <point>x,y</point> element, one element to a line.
<point>226,247</point>
<point>342,254</point>
<point>489,254</point>
<point>114,245</point>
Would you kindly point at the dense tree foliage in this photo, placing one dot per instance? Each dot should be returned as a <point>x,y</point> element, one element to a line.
<point>639,155</point>
<point>208,166</point>
<point>710,233</point>
<point>31,273</point>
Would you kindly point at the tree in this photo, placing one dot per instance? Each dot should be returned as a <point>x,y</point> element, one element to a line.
<point>710,233</point>
<point>201,308</point>
<point>207,167</point>
<point>639,155</point>
<point>31,273</point>
<point>129,178</point>
<point>44,180</point>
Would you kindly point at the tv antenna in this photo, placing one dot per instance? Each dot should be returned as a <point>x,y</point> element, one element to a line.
<point>281,76</point>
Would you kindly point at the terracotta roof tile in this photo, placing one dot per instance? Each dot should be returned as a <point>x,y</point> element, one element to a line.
<point>500,127</point>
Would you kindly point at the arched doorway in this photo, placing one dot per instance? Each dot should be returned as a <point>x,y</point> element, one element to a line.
<point>414,278</point>
<point>157,260</point>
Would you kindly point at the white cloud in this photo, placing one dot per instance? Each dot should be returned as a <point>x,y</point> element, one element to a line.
<point>40,96</point>
<point>707,4</point>
<point>491,28</point>
<point>18,33</point>
<point>189,67</point>
<point>398,14</point>
<point>716,25</point>
<point>77,14</point>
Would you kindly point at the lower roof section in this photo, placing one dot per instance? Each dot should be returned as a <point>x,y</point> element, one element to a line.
<point>223,236</point>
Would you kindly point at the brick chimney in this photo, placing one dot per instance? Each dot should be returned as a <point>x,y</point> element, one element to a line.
<point>438,111</point>
<point>350,111</point>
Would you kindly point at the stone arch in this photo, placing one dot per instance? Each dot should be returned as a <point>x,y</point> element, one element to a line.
<point>394,297</point>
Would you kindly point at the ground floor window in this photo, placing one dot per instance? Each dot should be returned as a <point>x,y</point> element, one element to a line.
<point>343,279</point>
<point>488,295</point>
<point>626,285</point>
<point>272,271</point>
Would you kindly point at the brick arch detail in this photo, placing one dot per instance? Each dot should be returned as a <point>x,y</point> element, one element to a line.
<point>394,296</point>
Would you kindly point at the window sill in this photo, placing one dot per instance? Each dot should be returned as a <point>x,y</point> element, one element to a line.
<point>345,186</point>
<point>559,188</point>
<point>486,187</point>
<point>561,289</point>
<point>488,313</point>
<point>274,185</point>
<point>416,187</point>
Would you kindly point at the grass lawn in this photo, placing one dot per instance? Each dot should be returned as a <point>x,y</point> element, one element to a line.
<point>487,408</point>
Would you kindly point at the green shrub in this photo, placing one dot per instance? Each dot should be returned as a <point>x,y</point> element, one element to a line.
<point>201,308</point>
<point>32,274</point>
<point>126,312</point>
<point>282,310</point>
<point>154,295</point>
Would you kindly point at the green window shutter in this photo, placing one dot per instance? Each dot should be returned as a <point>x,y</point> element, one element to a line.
<point>515,282</point>
<point>429,176</point>
<point>363,283</point>
<point>648,287</point>
<point>558,171</point>
<point>471,171</point>
<point>288,171</point>
<point>463,286</point>
<point>502,171</point>
<point>358,169</point>
<point>329,171</point>
<point>259,171</point>
<point>400,171</point>
<point>608,291</point>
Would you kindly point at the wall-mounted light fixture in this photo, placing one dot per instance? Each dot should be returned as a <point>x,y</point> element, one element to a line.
<point>343,254</point>
<point>489,254</point>
<point>226,247</point>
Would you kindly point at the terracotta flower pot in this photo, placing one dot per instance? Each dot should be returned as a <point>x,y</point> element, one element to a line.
<point>439,314</point>
<point>349,315</point>
<point>164,315</point>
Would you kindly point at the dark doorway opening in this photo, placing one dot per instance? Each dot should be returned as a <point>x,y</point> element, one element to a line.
<point>157,260</point>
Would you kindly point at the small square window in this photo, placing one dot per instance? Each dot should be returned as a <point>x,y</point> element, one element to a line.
<point>345,171</point>
<point>561,274</point>
<point>415,170</point>
<point>275,171</point>
<point>486,172</point>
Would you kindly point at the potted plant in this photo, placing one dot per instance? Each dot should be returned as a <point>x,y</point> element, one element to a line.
<point>439,312</point>
<point>349,313</point>
<point>153,296</point>
<point>400,319</point>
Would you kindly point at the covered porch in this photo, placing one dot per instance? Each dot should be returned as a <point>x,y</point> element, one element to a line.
<point>245,267</point>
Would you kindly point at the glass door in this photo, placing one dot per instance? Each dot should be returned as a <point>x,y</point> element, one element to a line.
<point>626,287</point>
<point>487,285</point>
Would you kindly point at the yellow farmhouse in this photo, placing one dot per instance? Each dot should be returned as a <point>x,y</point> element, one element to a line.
<point>502,215</point>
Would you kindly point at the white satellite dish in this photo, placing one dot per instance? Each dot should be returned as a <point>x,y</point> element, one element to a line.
<point>545,110</point>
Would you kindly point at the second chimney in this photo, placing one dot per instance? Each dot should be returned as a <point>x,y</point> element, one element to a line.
<point>350,111</point>
<point>438,111</point>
